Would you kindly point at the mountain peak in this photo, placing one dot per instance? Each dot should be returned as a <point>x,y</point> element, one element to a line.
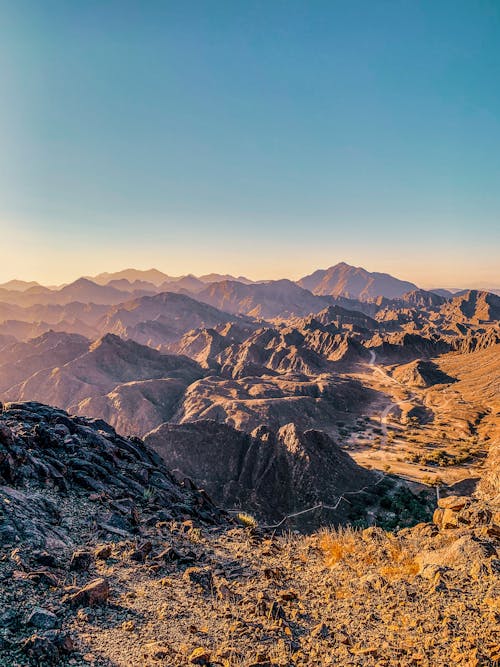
<point>354,282</point>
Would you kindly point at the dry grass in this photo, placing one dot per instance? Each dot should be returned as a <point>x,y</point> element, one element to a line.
<point>386,556</point>
<point>338,544</point>
<point>247,520</point>
<point>343,597</point>
<point>401,562</point>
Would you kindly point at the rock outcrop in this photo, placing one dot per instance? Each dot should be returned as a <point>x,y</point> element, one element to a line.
<point>489,486</point>
<point>421,373</point>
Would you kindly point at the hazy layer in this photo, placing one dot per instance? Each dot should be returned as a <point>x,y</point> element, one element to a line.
<point>53,257</point>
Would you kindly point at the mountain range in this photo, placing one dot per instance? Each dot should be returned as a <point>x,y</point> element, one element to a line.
<point>339,280</point>
<point>148,355</point>
<point>243,353</point>
<point>248,410</point>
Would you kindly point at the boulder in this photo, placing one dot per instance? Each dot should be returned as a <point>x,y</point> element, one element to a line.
<point>96,592</point>
<point>43,619</point>
<point>453,502</point>
<point>459,555</point>
<point>81,561</point>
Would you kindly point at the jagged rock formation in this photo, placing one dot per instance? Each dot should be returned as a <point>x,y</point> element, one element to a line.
<point>405,346</point>
<point>420,298</point>
<point>471,342</point>
<point>474,306</point>
<point>310,351</point>
<point>274,400</point>
<point>205,345</point>
<point>60,474</point>
<point>270,473</point>
<point>342,317</point>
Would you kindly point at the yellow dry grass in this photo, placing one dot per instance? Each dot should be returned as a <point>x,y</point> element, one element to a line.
<point>337,545</point>
<point>390,558</point>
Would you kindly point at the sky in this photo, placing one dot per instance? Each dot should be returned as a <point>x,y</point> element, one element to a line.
<point>264,138</point>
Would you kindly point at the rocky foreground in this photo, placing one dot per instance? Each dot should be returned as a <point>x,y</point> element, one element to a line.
<point>106,559</point>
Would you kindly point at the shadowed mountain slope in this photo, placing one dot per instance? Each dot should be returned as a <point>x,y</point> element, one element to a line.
<point>269,473</point>
<point>473,306</point>
<point>421,373</point>
<point>161,319</point>
<point>20,360</point>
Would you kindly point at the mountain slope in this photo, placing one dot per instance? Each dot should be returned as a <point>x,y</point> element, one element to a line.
<point>132,385</point>
<point>20,360</point>
<point>276,298</point>
<point>473,306</point>
<point>160,319</point>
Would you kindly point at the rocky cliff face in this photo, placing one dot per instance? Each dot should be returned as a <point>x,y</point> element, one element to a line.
<point>474,305</point>
<point>73,496</point>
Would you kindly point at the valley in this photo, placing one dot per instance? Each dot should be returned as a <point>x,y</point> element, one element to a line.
<point>435,435</point>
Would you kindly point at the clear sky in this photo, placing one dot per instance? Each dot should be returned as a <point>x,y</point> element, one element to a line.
<point>265,138</point>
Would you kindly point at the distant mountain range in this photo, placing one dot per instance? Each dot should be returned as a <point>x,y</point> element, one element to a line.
<point>159,278</point>
<point>340,280</point>
<point>245,354</point>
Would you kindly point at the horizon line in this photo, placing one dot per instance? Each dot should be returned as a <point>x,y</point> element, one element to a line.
<point>425,286</point>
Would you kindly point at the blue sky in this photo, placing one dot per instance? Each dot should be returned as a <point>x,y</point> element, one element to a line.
<point>264,138</point>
